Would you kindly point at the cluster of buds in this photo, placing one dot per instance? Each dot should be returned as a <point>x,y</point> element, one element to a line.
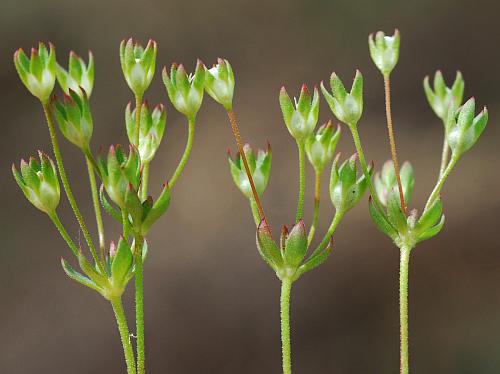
<point>320,147</point>
<point>260,169</point>
<point>138,64</point>
<point>79,75</point>
<point>347,107</point>
<point>151,129</point>
<point>384,51</point>
<point>442,98</point>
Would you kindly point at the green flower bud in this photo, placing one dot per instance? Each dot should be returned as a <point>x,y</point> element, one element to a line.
<point>384,51</point>
<point>73,116</point>
<point>385,181</point>
<point>38,73</point>
<point>442,97</point>
<point>39,183</point>
<point>346,188</point>
<point>151,129</point>
<point>138,64</point>
<point>78,74</point>
<point>120,172</point>
<point>347,107</point>
<point>300,117</point>
<point>185,91</point>
<point>463,129</point>
<point>219,83</point>
<point>260,168</point>
<point>320,147</point>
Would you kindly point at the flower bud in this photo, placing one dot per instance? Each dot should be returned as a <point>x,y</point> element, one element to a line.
<point>73,116</point>
<point>320,147</point>
<point>39,183</point>
<point>385,181</point>
<point>346,188</point>
<point>120,172</point>
<point>463,129</point>
<point>38,73</point>
<point>151,129</point>
<point>300,117</point>
<point>185,91</point>
<point>260,169</point>
<point>347,107</point>
<point>384,51</point>
<point>138,64</point>
<point>78,74</point>
<point>219,83</point>
<point>442,98</point>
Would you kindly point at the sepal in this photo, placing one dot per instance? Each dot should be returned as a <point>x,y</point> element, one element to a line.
<point>320,147</point>
<point>442,98</point>
<point>138,64</point>
<point>219,83</point>
<point>384,50</point>
<point>78,74</point>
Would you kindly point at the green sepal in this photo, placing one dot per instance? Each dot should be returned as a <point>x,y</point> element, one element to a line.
<point>122,263</point>
<point>384,51</point>
<point>80,278</point>
<point>159,207</point>
<point>267,247</point>
<point>430,217</point>
<point>107,206</point>
<point>381,221</point>
<point>219,83</point>
<point>431,232</point>
<point>133,206</point>
<point>395,214</point>
<point>315,260</point>
<point>295,245</point>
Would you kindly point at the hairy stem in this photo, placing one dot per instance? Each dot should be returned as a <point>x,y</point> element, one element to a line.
<point>124,334</point>
<point>444,157</point>
<point>57,222</point>
<point>255,211</point>
<point>138,110</point>
<point>302,181</point>
<point>97,207</point>
<point>286,287</point>
<point>187,152</point>
<point>439,185</point>
<point>67,189</point>
<point>139,305</point>
<point>392,141</point>
<point>125,224</point>
<point>145,181</point>
<point>403,308</point>
<point>239,144</point>
<point>317,197</point>
<point>326,239</point>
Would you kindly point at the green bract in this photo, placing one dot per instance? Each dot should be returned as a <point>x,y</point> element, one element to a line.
<point>287,259</point>
<point>185,91</point>
<point>320,147</point>
<point>138,64</point>
<point>442,98</point>
<point>38,73</point>
<point>346,188</point>
<point>347,107</point>
<point>39,183</point>
<point>120,173</point>
<point>463,129</point>
<point>385,181</point>
<point>260,168</point>
<point>151,129</point>
<point>78,74</point>
<point>219,83</point>
<point>301,116</point>
<point>384,51</point>
<point>74,118</point>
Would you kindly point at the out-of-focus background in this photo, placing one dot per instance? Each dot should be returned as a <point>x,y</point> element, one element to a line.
<point>211,302</point>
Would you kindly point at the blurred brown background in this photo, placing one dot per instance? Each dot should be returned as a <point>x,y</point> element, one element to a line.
<point>211,302</point>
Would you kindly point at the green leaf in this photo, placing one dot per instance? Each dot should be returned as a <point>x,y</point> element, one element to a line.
<point>433,231</point>
<point>80,278</point>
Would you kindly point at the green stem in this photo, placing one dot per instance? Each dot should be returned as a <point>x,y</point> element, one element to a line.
<point>255,211</point>
<point>139,305</point>
<point>185,156</point>
<point>138,110</point>
<point>97,207</point>
<point>302,180</point>
<point>124,334</point>
<point>286,287</point>
<point>444,156</point>
<point>403,308</point>
<point>326,239</point>
<point>145,181</point>
<point>439,185</point>
<point>125,224</point>
<point>317,197</point>
<point>67,189</point>
<point>57,222</point>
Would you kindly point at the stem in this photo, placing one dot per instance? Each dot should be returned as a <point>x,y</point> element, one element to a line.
<point>97,207</point>
<point>139,305</point>
<point>403,308</point>
<point>239,144</point>
<point>57,222</point>
<point>126,228</point>
<point>317,197</point>
<point>439,185</point>
<point>186,154</point>
<point>67,189</point>
<point>286,287</point>
<point>444,156</point>
<point>302,181</point>
<point>255,211</point>
<point>138,110</point>
<point>336,220</point>
<point>124,334</point>
<point>145,181</point>
<point>394,155</point>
